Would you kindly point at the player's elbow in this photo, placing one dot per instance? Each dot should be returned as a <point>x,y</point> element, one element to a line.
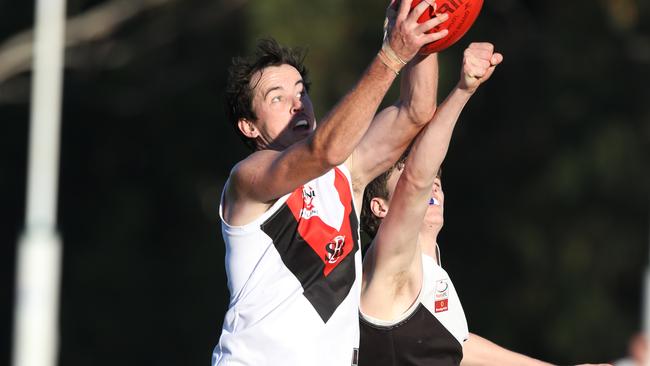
<point>335,157</point>
<point>421,114</point>
<point>327,154</point>
<point>417,180</point>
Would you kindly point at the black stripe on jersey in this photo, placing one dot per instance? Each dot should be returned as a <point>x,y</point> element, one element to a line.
<point>325,293</point>
<point>419,340</point>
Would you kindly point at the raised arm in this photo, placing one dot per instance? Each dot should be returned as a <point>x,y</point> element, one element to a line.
<point>395,126</point>
<point>393,261</point>
<point>268,174</point>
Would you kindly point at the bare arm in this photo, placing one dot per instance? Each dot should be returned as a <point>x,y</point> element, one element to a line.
<point>266,175</point>
<point>395,252</point>
<point>393,129</point>
<point>478,351</point>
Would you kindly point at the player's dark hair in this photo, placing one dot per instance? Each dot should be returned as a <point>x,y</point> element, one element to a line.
<point>239,91</point>
<point>378,188</point>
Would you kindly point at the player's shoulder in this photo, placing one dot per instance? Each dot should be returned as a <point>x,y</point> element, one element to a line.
<point>253,163</point>
<point>240,205</point>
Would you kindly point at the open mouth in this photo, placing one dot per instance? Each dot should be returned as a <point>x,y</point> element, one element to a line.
<point>301,125</point>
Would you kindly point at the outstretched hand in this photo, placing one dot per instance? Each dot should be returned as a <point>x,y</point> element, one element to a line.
<point>479,63</point>
<point>403,32</point>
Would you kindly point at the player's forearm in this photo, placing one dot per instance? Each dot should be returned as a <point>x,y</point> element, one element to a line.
<point>342,129</point>
<point>431,146</point>
<point>419,88</point>
<point>379,150</point>
<point>478,351</point>
<point>414,186</point>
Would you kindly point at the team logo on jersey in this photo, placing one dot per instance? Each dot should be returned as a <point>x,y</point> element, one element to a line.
<point>335,249</point>
<point>321,256</point>
<point>308,210</point>
<point>441,296</point>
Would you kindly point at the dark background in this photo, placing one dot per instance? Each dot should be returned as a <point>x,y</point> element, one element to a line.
<point>546,231</point>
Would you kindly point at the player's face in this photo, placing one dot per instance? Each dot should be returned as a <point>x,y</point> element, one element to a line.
<point>434,216</point>
<point>284,111</point>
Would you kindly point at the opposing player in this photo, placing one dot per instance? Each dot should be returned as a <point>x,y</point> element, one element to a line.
<point>289,219</point>
<point>411,314</point>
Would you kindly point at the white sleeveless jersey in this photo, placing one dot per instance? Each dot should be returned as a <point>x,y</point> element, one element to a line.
<point>294,277</point>
<point>439,296</point>
<point>430,332</point>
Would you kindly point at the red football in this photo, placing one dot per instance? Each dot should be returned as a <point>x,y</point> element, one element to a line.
<point>462,14</point>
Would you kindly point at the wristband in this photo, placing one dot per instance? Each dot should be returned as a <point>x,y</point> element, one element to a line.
<point>390,53</point>
<point>386,61</point>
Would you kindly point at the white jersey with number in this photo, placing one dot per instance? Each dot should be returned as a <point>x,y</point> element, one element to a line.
<point>294,277</point>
